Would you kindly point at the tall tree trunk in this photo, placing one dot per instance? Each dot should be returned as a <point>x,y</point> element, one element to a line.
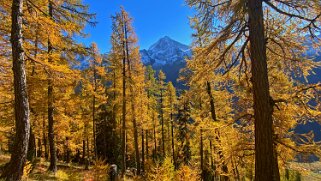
<point>209,92</point>
<point>263,109</point>
<point>67,150</point>
<point>124,109</point>
<point>173,143</point>
<point>146,134</point>
<point>126,148</point>
<point>87,161</point>
<point>212,160</point>
<point>14,169</point>
<point>94,126</point>
<point>162,121</point>
<point>31,154</point>
<point>94,109</point>
<point>136,145</point>
<point>39,148</point>
<point>51,134</point>
<point>132,103</point>
<point>221,156</point>
<point>44,137</point>
<point>143,152</point>
<point>83,151</point>
<point>154,137</point>
<point>217,138</point>
<point>202,156</point>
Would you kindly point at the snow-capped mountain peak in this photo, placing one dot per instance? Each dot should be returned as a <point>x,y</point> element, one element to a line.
<point>166,43</point>
<point>165,51</point>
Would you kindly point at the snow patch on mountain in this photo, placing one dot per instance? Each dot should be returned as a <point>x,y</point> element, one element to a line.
<point>165,51</point>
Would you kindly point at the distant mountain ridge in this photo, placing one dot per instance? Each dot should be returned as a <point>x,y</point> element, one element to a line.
<point>169,56</point>
<point>166,54</point>
<point>165,51</point>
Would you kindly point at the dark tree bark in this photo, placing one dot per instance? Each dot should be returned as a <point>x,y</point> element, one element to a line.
<point>31,154</point>
<point>67,150</point>
<point>124,109</point>
<point>217,138</point>
<point>212,159</point>
<point>265,164</point>
<point>94,108</point>
<point>44,137</point>
<point>87,158</point>
<point>154,137</point>
<point>136,145</point>
<point>202,156</point>
<point>173,143</point>
<point>14,169</point>
<point>146,134</point>
<point>162,121</point>
<point>39,148</point>
<point>51,134</point>
<point>209,92</point>
<point>133,102</point>
<point>83,151</point>
<point>143,152</point>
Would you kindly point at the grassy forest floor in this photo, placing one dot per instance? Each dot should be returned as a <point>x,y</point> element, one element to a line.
<point>75,172</point>
<point>66,172</point>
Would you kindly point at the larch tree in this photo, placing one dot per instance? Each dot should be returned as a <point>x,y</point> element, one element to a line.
<point>242,35</point>
<point>119,41</point>
<point>161,85</point>
<point>14,169</point>
<point>171,110</point>
<point>51,33</point>
<point>125,40</point>
<point>152,111</point>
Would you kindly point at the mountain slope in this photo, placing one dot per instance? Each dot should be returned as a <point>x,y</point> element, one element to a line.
<point>167,55</point>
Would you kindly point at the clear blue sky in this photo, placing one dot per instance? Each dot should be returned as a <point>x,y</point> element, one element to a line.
<point>153,19</point>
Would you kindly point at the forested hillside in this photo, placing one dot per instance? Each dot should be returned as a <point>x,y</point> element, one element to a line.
<point>241,103</point>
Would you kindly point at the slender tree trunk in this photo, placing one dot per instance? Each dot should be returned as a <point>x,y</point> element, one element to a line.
<point>105,148</point>
<point>173,143</point>
<point>265,164</point>
<point>136,146</point>
<point>94,126</point>
<point>132,103</point>
<point>155,140</point>
<point>31,154</point>
<point>83,151</point>
<point>212,160</point>
<point>51,134</point>
<point>143,152</point>
<point>146,134</point>
<point>202,156</point>
<point>87,162</point>
<point>39,148</point>
<point>14,169</point>
<point>94,109</point>
<point>67,150</point>
<point>44,137</point>
<point>209,92</point>
<point>126,147</point>
<point>213,114</point>
<point>162,121</point>
<point>221,155</point>
<point>124,109</point>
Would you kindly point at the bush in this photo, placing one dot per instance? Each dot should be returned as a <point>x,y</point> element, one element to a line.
<point>61,175</point>
<point>163,172</point>
<point>100,169</point>
<point>187,173</point>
